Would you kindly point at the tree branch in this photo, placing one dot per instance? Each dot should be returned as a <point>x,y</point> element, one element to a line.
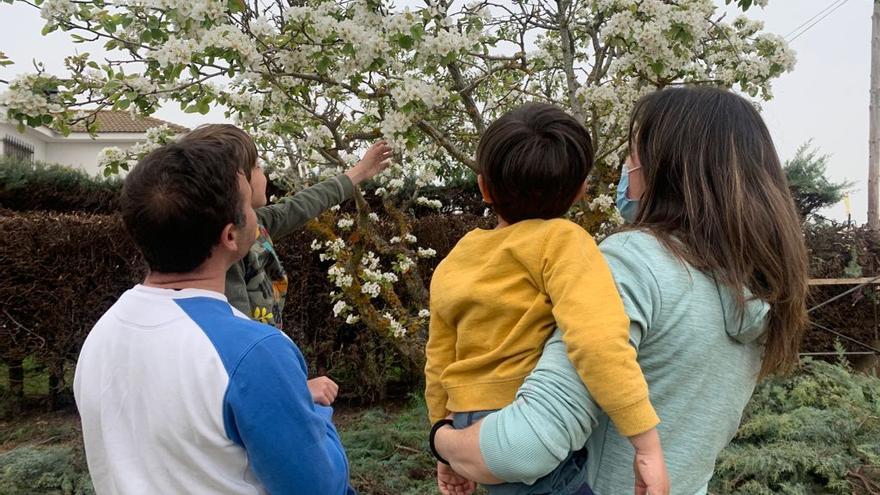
<point>448,145</point>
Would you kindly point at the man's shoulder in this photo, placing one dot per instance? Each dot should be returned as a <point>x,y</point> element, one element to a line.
<point>232,335</point>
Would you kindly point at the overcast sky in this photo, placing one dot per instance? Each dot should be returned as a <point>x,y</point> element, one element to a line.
<point>825,98</point>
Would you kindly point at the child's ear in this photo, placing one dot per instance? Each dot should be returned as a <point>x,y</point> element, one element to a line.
<point>579,195</point>
<point>484,189</point>
<point>583,190</point>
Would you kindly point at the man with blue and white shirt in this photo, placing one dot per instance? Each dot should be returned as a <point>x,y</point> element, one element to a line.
<point>177,391</point>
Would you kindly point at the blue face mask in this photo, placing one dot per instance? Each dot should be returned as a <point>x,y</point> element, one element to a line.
<point>628,208</point>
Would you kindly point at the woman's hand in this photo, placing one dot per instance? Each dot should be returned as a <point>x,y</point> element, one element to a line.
<point>462,449</point>
<point>451,483</point>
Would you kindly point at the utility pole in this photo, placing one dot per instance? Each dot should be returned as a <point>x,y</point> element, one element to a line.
<point>874,127</point>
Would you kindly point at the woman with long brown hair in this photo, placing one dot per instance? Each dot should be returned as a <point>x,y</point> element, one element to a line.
<point>712,270</point>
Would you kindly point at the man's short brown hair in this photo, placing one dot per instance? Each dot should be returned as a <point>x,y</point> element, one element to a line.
<point>177,200</point>
<point>534,160</point>
<point>238,142</point>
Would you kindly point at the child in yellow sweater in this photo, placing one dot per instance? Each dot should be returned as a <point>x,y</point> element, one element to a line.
<point>499,294</point>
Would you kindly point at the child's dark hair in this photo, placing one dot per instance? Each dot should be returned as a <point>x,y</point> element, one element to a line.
<point>534,160</point>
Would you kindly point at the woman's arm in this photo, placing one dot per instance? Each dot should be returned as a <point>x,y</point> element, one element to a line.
<point>551,417</point>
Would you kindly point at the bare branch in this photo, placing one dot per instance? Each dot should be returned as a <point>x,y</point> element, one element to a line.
<point>448,145</point>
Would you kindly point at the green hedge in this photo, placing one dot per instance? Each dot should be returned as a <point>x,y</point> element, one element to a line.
<point>60,272</point>
<point>26,186</point>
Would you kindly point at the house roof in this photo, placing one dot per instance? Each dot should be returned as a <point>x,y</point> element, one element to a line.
<point>122,121</point>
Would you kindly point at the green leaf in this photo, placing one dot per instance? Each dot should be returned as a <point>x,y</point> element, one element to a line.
<point>108,25</point>
<point>324,64</point>
<point>94,65</point>
<point>48,28</point>
<point>405,42</point>
<point>236,6</point>
<point>657,67</point>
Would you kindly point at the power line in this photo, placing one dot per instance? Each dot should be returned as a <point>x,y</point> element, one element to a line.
<point>818,20</point>
<point>811,18</point>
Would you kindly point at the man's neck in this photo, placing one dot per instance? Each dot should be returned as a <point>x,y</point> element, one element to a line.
<point>205,277</point>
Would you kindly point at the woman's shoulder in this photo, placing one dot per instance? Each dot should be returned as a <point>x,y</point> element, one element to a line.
<point>631,240</point>
<point>639,252</point>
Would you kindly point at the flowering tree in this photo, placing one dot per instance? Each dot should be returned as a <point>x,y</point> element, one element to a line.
<point>314,80</point>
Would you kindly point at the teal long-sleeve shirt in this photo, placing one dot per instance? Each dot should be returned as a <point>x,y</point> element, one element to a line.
<point>257,284</point>
<point>699,355</point>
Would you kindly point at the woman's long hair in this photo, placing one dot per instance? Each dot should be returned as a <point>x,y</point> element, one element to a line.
<point>717,197</point>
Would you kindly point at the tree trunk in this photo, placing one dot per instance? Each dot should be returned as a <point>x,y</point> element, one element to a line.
<point>16,378</point>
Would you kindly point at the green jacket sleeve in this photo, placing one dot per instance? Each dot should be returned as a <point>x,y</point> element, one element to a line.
<point>291,213</point>
<point>236,288</point>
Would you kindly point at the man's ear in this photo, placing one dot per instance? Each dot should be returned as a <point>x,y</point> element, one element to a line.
<point>229,237</point>
<point>484,189</point>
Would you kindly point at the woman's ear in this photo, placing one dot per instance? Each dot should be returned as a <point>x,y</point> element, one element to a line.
<point>484,189</point>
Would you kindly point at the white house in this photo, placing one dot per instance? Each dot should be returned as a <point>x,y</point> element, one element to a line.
<point>79,149</point>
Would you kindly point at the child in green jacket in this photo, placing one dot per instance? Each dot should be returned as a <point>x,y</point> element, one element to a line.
<point>257,284</point>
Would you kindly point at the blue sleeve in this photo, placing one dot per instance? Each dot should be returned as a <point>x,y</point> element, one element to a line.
<point>291,443</point>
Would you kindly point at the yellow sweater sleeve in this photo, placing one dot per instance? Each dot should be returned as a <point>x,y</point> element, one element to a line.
<point>588,309</point>
<point>439,353</point>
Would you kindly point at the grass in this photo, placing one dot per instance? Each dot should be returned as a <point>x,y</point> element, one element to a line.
<point>387,448</point>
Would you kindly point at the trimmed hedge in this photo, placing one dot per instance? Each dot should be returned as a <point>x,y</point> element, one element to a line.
<point>26,186</point>
<point>60,272</point>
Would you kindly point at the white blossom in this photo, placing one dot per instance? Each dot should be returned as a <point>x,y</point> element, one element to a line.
<point>261,27</point>
<point>424,313</point>
<point>404,263</point>
<point>110,155</point>
<point>339,308</point>
<point>426,253</point>
<point>601,202</point>
<point>371,289</point>
<point>396,328</point>
<point>396,183</point>
<point>58,9</point>
<point>430,203</point>
<point>345,223</point>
